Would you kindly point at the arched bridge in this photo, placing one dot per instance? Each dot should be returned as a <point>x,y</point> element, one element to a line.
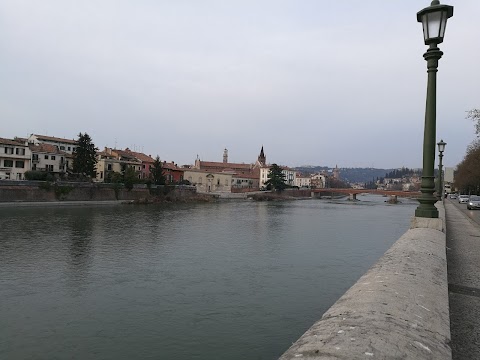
<point>352,193</point>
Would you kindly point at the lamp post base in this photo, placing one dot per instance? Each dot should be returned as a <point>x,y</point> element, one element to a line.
<point>426,213</point>
<point>427,201</point>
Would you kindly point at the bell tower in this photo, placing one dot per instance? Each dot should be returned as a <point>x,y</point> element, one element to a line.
<point>225,156</point>
<point>261,158</point>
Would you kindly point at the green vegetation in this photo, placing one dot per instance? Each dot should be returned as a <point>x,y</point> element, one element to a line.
<point>157,172</point>
<point>276,178</point>
<point>130,177</point>
<point>39,175</point>
<point>85,156</point>
<point>61,192</point>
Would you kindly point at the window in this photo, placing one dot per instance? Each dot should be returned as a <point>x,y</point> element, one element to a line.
<point>46,157</point>
<point>35,157</point>
<point>109,167</point>
<point>49,167</point>
<point>20,151</point>
<point>34,167</point>
<point>143,166</point>
<point>52,157</point>
<point>8,163</point>
<point>62,147</point>
<point>20,164</point>
<point>101,175</point>
<point>8,150</point>
<point>200,180</point>
<point>69,148</point>
<point>218,181</point>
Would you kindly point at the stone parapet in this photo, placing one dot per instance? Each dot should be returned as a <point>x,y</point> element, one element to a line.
<point>397,310</point>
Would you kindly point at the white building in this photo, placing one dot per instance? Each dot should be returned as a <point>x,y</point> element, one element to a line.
<point>318,181</point>
<point>66,145</point>
<point>289,175</point>
<point>15,159</point>
<point>302,181</point>
<point>46,157</point>
<point>448,175</point>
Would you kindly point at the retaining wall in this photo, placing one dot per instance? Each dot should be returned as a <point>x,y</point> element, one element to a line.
<point>40,191</point>
<point>397,310</point>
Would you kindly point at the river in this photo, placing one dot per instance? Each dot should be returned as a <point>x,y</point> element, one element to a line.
<point>226,280</point>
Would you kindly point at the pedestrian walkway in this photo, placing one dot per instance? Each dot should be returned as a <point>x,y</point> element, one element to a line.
<point>463,258</point>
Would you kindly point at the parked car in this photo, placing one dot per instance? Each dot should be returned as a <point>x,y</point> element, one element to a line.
<point>453,196</point>
<point>463,199</point>
<point>473,202</point>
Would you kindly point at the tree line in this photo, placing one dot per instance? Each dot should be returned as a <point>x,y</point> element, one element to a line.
<point>467,176</point>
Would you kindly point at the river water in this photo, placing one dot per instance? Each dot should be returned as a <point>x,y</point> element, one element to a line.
<point>228,280</point>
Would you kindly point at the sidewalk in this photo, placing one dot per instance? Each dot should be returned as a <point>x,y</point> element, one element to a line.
<point>463,258</point>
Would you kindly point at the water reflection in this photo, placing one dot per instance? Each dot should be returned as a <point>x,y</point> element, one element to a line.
<point>232,280</point>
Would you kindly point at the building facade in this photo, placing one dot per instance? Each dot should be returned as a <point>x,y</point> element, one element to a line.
<point>46,157</point>
<point>15,159</point>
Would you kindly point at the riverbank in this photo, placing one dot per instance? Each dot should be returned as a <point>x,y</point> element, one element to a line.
<point>62,192</point>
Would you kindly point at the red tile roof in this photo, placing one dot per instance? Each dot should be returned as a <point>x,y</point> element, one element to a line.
<point>141,156</point>
<point>46,148</point>
<point>53,138</point>
<point>219,166</point>
<point>10,142</point>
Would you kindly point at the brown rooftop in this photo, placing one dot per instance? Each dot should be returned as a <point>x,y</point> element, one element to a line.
<point>10,142</point>
<point>46,148</point>
<point>53,138</point>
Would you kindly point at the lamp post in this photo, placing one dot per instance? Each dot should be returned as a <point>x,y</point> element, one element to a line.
<point>434,20</point>
<point>441,149</point>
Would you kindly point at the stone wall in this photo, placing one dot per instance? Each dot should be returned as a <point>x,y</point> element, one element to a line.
<point>38,191</point>
<point>397,310</point>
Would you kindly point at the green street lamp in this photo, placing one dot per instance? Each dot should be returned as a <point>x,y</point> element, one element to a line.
<point>441,149</point>
<point>434,20</point>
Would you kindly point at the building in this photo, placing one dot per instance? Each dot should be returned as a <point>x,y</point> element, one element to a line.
<point>448,176</point>
<point>46,157</point>
<point>302,180</point>
<point>318,181</point>
<point>172,172</point>
<point>289,175</point>
<point>239,175</point>
<point>66,145</point>
<point>146,160</point>
<point>15,159</point>
<point>209,181</point>
<point>112,161</point>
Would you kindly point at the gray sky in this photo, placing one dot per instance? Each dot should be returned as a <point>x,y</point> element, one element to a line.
<point>315,82</point>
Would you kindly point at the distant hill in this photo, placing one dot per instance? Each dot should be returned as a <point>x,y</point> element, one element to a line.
<point>352,175</point>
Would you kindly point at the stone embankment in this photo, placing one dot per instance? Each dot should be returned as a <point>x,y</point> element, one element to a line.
<point>42,191</point>
<point>397,310</point>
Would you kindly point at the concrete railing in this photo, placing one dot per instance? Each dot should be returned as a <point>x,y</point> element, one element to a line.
<point>397,310</point>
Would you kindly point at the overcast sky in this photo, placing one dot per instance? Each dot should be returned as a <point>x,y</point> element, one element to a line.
<point>314,82</point>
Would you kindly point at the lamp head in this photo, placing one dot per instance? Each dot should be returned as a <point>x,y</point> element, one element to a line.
<point>441,146</point>
<point>434,21</point>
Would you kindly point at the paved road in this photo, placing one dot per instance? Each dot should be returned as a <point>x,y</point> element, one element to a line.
<point>463,257</point>
<point>472,214</point>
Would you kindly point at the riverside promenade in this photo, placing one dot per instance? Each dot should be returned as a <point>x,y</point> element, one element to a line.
<point>463,258</point>
<point>421,300</point>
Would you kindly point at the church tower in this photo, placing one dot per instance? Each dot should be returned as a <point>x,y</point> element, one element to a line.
<point>336,172</point>
<point>261,158</point>
<point>225,156</point>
